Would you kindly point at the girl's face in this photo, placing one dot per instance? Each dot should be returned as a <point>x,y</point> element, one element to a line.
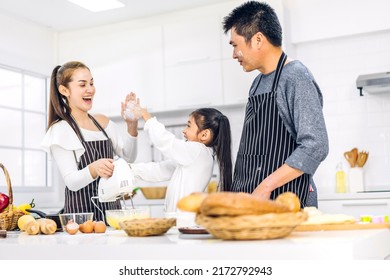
<point>191,131</point>
<point>80,90</point>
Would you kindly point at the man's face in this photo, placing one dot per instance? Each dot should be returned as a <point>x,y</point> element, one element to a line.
<point>243,51</point>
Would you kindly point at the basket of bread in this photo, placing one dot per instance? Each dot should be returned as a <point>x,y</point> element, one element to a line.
<point>242,216</point>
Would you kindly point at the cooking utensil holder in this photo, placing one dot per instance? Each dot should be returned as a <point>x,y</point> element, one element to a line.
<point>356,179</point>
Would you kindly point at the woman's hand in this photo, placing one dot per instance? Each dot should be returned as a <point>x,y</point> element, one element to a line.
<point>131,108</point>
<point>103,167</point>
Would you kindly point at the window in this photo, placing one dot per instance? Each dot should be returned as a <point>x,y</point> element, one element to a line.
<point>23,100</point>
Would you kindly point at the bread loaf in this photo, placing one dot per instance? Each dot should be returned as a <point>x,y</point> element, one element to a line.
<point>192,202</point>
<point>234,204</point>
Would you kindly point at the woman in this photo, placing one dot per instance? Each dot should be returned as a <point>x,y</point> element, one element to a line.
<point>83,145</point>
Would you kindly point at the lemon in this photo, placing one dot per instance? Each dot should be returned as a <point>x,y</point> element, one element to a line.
<point>23,220</point>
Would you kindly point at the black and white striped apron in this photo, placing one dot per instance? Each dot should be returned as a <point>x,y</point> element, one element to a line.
<point>265,144</point>
<point>80,201</point>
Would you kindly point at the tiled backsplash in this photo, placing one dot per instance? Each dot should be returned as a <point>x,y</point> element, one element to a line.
<point>352,120</point>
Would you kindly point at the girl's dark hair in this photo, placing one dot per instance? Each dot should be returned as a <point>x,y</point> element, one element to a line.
<point>252,17</point>
<point>219,125</point>
<point>58,106</point>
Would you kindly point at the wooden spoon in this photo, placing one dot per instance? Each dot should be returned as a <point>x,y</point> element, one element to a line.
<point>362,158</point>
<point>351,157</point>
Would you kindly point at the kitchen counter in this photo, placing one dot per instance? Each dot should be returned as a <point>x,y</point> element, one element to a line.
<point>359,195</point>
<point>116,245</point>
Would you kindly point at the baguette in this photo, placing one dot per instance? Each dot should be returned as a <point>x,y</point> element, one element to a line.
<point>239,203</point>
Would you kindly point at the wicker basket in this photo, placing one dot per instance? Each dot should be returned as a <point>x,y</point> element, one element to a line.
<point>147,227</point>
<point>252,227</point>
<point>9,218</point>
<point>154,192</point>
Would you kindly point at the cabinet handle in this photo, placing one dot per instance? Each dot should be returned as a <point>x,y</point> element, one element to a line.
<point>365,204</point>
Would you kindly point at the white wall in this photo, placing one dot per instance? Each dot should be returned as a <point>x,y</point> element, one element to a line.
<point>338,41</point>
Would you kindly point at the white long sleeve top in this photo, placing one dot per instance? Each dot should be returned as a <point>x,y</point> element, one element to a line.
<point>189,164</point>
<point>62,144</point>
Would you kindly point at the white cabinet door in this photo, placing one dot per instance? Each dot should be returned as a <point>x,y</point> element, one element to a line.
<point>192,53</point>
<point>139,68</point>
<point>191,41</point>
<point>355,207</point>
<point>194,85</point>
<point>236,82</point>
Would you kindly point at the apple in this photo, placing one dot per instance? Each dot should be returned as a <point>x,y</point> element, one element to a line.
<point>4,201</point>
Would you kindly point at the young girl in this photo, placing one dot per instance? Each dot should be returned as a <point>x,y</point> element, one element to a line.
<point>83,145</point>
<point>189,164</point>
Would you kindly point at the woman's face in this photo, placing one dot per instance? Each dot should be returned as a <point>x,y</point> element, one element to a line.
<point>191,131</point>
<point>80,90</point>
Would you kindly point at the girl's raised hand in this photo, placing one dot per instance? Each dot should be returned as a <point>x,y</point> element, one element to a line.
<point>131,108</point>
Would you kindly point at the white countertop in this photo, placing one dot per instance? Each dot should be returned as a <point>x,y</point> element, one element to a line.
<point>116,245</point>
<point>359,195</point>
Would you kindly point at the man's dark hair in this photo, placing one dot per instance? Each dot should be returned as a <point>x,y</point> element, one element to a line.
<point>252,17</point>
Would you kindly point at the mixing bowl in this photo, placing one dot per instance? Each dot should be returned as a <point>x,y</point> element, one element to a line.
<point>114,217</point>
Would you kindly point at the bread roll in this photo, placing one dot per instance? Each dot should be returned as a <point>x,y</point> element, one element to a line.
<point>238,203</point>
<point>291,200</point>
<point>192,202</point>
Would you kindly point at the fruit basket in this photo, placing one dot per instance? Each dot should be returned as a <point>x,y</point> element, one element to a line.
<point>9,217</point>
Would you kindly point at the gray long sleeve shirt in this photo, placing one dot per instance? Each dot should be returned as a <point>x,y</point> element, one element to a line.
<point>299,101</point>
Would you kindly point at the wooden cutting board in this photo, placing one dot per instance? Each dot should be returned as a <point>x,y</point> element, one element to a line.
<point>356,226</point>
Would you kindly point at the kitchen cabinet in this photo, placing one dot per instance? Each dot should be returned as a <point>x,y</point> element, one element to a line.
<point>319,20</point>
<point>121,59</point>
<point>188,41</point>
<point>192,56</point>
<point>194,85</point>
<point>356,204</point>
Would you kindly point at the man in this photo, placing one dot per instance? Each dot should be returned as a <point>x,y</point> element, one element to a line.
<point>284,137</point>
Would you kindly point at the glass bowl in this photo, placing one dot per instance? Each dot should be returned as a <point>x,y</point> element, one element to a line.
<point>78,218</point>
<point>114,217</point>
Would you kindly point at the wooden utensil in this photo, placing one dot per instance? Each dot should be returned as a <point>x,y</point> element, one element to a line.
<point>362,158</point>
<point>351,157</point>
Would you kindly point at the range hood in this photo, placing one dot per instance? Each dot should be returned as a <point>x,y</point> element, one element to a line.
<point>374,83</point>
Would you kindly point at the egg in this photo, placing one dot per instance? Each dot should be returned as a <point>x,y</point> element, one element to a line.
<point>72,227</point>
<point>87,227</point>
<point>100,227</point>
